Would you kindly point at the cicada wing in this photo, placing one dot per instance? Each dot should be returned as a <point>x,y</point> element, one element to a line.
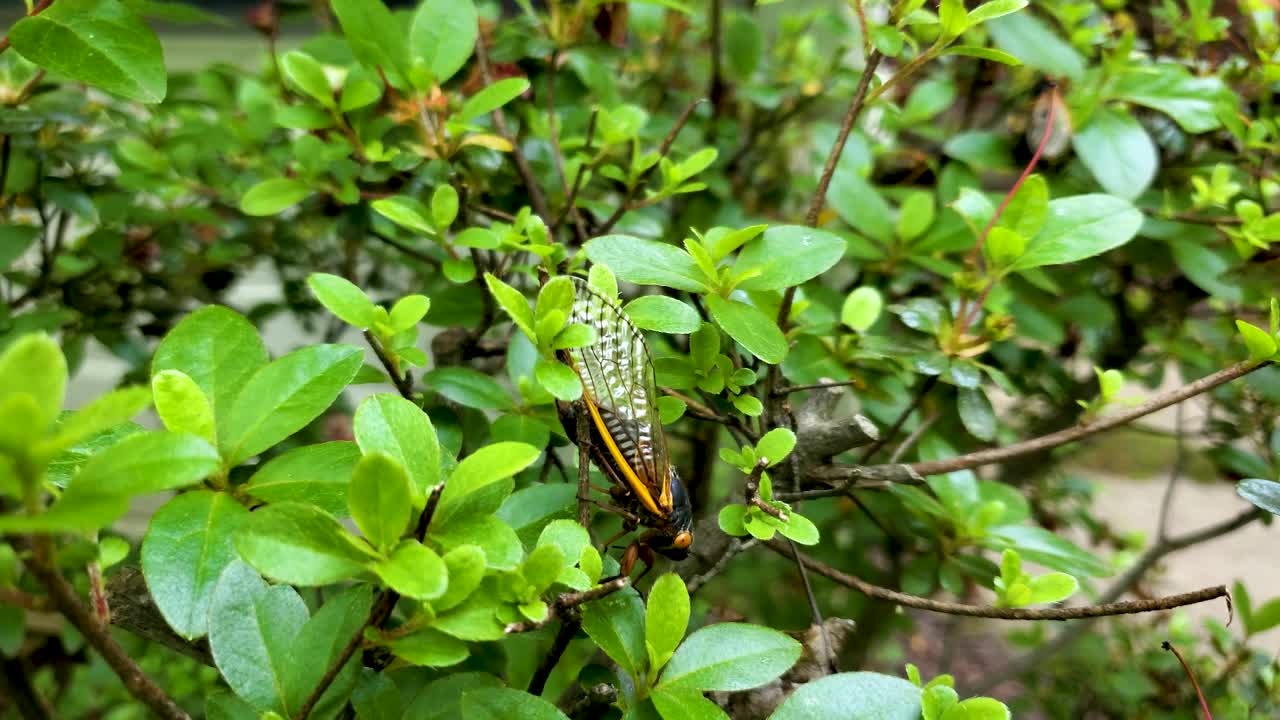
<point>618,382</point>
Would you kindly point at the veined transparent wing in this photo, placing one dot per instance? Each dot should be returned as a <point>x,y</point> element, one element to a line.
<point>618,380</point>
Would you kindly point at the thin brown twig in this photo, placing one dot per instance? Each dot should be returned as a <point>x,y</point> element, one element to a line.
<point>566,603</point>
<point>752,491</point>
<point>1000,613</point>
<point>1175,474</point>
<point>409,250</point>
<point>909,442</point>
<point>392,367</point>
<point>568,629</point>
<point>736,546</point>
<point>663,149</point>
<point>788,389</point>
<point>1079,432</point>
<point>1204,705</point>
<point>578,177</point>
<point>63,597</point>
<point>536,197</point>
<point>889,434</point>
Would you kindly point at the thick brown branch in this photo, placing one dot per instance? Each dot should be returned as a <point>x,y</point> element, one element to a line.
<point>64,599</point>
<point>997,613</point>
<point>1062,437</point>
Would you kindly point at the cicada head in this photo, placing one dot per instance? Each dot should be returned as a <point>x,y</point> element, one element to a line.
<point>676,544</point>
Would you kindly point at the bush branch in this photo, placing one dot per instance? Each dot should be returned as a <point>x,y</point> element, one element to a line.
<point>536,197</point>
<point>663,149</point>
<point>1079,432</point>
<point>565,606</point>
<point>998,613</point>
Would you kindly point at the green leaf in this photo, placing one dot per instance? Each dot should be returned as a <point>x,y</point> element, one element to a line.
<point>444,206</point>
<point>301,545</point>
<point>542,567</point>
<point>219,349</point>
<point>312,474</point>
<point>666,619</point>
<point>282,397</point>
<point>647,262</point>
<point>776,445</point>
<point>976,413</point>
<point>743,46</point>
<point>307,75</point>
<point>507,704</point>
<point>861,205</point>
<point>501,545</point>
<point>994,9</point>
<point>492,97</point>
<point>14,241</point>
<point>1265,617</point>
<point>1173,90</point>
<point>567,535</point>
<point>729,657</point>
<point>477,619</point>
<point>787,255</point>
<point>978,708</point>
<point>379,499</point>
<point>754,330</point>
<point>99,42</point>
<point>320,642</point>
<point>35,366</point>
<point>182,405</point>
<point>980,149</point>
<point>528,510</point>
<point>800,529</point>
<point>663,314</point>
<point>984,53</point>
<point>1037,45</point>
<point>376,38</point>
<point>486,467</point>
<point>251,631</point>
<point>1261,345</point>
<point>415,571</point>
<point>559,379</point>
<point>1118,151</point>
<point>342,298</point>
<point>1004,246</point>
<point>465,567</point>
<point>731,520</point>
<point>1029,207</point>
<point>856,695</point>
<point>1081,227</point>
<point>430,648</point>
<point>916,215</point>
<point>443,35</point>
<point>101,414</point>
<point>616,623</point>
<point>468,387</point>
<point>388,423</point>
<point>406,212</point>
<point>514,304</point>
<point>269,197</point>
<point>187,546</point>
<point>439,699</point>
<point>1052,587</point>
<point>683,704</point>
<point>409,311</point>
<point>1262,493</point>
<point>862,308</point>
<point>1041,546</point>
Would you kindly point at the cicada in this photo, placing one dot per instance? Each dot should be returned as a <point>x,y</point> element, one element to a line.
<point>619,396</point>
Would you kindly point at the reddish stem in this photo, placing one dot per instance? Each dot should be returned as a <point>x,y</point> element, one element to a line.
<point>1203,705</point>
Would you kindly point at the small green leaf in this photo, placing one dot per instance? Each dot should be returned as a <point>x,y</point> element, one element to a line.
<point>312,474</point>
<point>1261,345</point>
<point>663,314</point>
<point>269,197</point>
<point>507,704</point>
<point>406,212</point>
<point>301,545</point>
<point>409,311</point>
<point>647,262</point>
<point>748,405</point>
<point>492,97</point>
<point>787,255</point>
<point>444,206</point>
<point>388,423</point>
<point>1052,587</point>
<point>1004,246</point>
<point>616,623</point>
<point>757,332</point>
<point>376,38</point>
<point>559,379</point>
<point>994,9</point>
<point>182,405</point>
<point>862,308</point>
<point>730,656</point>
<point>776,445</point>
<point>443,35</point>
<point>976,413</point>
<point>800,529</point>
<point>430,648</point>
<point>666,619</point>
<point>379,499</point>
<point>732,520</point>
<point>684,704</point>
<point>101,414</point>
<point>514,304</point>
<point>983,53</point>
<point>307,75</point>
<point>487,466</point>
<point>98,42</point>
<point>342,298</point>
<point>1080,227</point>
<point>853,695</point>
<point>1262,493</point>
<point>1118,152</point>
<point>466,565</point>
<point>978,708</point>
<point>469,387</point>
<point>415,571</point>
<point>542,567</point>
<point>35,366</point>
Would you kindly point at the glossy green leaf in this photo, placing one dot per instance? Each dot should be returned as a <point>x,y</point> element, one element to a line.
<point>647,262</point>
<point>559,379</point>
<point>137,465</point>
<point>976,413</point>
<point>98,42</point>
<point>443,35</point>
<point>685,704</point>
<point>983,53</point>
<point>1081,227</point>
<point>862,308</point>
<point>1261,345</point>
<point>514,303</point>
<point>1118,151</point>
<point>1262,493</point>
<point>507,704</point>
<point>1052,587</point>
<point>301,545</point>
<point>666,618</point>
<point>35,366</point>
<point>314,474</point>
<point>320,642</point>
<point>182,405</point>
<point>415,571</point>
<point>388,423</point>
<point>307,75</point>
<point>469,387</point>
<point>856,696</point>
<point>409,311</point>
<point>377,39</point>
<point>490,465</point>
<point>406,212</point>
<point>756,332</point>
<point>465,567</point>
<point>1032,41</point>
<point>663,314</point>
<point>282,397</point>
<point>105,412</point>
<point>379,499</point>
<point>492,97</point>
<point>269,197</point>
<point>787,255</point>
<point>730,656</point>
<point>616,623</point>
<point>431,648</point>
<point>501,545</point>
<point>14,241</point>
<point>1172,89</point>
<point>1029,208</point>
<point>342,298</point>
<point>187,546</point>
<point>1038,545</point>
<point>978,708</point>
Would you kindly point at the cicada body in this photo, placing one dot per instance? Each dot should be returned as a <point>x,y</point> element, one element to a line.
<point>619,397</point>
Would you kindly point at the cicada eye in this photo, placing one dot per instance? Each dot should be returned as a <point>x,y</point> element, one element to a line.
<point>682,540</point>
